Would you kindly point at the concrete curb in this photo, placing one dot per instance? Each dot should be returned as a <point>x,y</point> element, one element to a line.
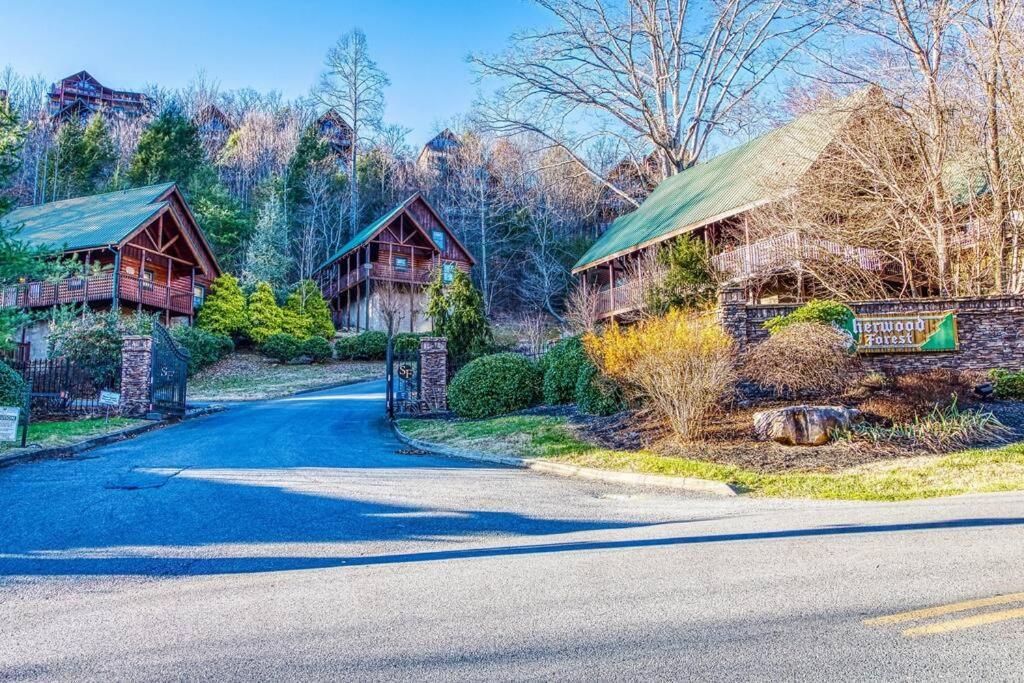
<point>561,469</point>
<point>30,454</point>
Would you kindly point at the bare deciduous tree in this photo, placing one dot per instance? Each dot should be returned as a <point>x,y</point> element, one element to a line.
<point>666,73</point>
<point>353,86</point>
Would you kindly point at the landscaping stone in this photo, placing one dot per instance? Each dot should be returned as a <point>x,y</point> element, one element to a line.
<point>803,425</point>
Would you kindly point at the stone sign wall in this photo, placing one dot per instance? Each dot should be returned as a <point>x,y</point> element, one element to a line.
<point>990,330</point>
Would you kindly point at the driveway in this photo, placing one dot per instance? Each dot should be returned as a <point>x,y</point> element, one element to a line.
<point>294,539</point>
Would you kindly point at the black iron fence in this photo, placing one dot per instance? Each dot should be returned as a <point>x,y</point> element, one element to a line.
<point>59,388</point>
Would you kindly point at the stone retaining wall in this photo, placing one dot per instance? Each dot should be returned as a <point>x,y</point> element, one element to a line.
<point>990,330</point>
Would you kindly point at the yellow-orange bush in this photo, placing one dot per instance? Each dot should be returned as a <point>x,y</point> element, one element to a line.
<point>680,366</point>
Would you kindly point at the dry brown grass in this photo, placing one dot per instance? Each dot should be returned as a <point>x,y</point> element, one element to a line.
<point>802,359</point>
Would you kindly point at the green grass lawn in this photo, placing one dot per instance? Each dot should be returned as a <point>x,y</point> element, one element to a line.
<point>247,377</point>
<point>975,471</point>
<point>48,434</point>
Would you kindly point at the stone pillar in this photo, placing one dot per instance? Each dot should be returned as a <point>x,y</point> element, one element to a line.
<point>434,373</point>
<point>136,371</point>
<point>732,313</point>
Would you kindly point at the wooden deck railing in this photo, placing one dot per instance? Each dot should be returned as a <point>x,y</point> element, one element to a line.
<point>616,299</point>
<point>380,271</point>
<point>775,253</point>
<point>74,290</point>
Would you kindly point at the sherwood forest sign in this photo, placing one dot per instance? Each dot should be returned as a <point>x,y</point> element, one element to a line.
<point>904,332</point>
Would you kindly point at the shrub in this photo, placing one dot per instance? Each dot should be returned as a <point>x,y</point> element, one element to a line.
<point>12,387</point>
<point>819,311</point>
<point>91,340</point>
<point>364,346</point>
<point>204,348</point>
<point>914,395</point>
<point>494,385</point>
<point>943,430</point>
<point>312,317</point>
<point>224,310</point>
<point>802,358</point>
<point>295,324</point>
<point>679,366</point>
<point>282,346</point>
<point>406,342</point>
<point>595,394</point>
<point>264,314</point>
<point>1007,384</point>
<point>317,348</point>
<point>457,311</point>
<point>562,366</point>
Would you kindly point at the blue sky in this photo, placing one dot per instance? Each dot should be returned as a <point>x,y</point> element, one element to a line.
<point>266,44</point>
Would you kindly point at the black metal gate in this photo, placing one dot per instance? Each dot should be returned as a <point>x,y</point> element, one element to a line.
<point>402,375</point>
<point>169,374</point>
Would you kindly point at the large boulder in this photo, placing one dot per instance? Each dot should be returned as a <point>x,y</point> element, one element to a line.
<point>803,425</point>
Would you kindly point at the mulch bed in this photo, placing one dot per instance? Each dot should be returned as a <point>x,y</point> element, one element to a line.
<point>731,441</point>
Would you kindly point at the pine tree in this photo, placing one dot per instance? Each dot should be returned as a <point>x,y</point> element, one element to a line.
<point>224,310</point>
<point>169,151</point>
<point>467,329</point>
<point>437,303</point>
<point>266,258</point>
<point>308,302</point>
<point>222,218</point>
<point>264,315</point>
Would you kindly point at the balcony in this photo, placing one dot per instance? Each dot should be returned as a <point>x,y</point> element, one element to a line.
<point>380,271</point>
<point>782,252</point>
<point>77,290</point>
<point>617,300</point>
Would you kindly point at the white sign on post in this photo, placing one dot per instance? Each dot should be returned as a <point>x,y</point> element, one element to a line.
<point>9,423</point>
<point>109,398</point>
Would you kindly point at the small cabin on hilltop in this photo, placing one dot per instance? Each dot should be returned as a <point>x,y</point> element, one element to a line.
<point>403,249</point>
<point>136,250</point>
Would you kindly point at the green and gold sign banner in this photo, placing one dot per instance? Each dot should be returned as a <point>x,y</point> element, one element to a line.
<point>905,332</point>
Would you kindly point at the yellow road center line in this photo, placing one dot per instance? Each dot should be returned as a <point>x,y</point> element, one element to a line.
<point>945,609</point>
<point>966,622</point>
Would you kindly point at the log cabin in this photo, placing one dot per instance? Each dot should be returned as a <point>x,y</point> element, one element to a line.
<point>80,95</point>
<point>401,250</point>
<point>133,250</point>
<point>711,199</point>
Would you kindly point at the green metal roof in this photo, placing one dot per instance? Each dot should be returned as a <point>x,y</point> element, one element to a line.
<point>723,186</point>
<point>368,232</point>
<point>87,222</point>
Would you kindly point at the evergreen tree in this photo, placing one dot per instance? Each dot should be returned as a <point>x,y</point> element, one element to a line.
<point>266,258</point>
<point>264,315</point>
<point>687,282</point>
<point>169,150</point>
<point>294,323</point>
<point>467,329</point>
<point>312,150</point>
<point>437,303</point>
<point>307,301</point>
<point>224,310</point>
<point>99,157</point>
<point>15,256</point>
<point>222,218</point>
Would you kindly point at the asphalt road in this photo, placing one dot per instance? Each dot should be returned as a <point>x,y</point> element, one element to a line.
<point>290,539</point>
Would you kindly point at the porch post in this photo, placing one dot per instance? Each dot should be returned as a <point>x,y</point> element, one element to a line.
<point>115,294</point>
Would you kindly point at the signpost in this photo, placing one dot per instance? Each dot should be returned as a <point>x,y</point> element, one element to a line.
<point>905,332</point>
<point>9,423</point>
<point>108,399</point>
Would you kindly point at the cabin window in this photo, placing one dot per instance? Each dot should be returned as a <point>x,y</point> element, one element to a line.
<point>438,237</point>
<point>147,279</point>
<point>402,263</point>
<point>448,272</point>
<point>198,296</point>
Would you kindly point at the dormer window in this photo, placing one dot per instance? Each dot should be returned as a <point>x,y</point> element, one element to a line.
<point>438,237</point>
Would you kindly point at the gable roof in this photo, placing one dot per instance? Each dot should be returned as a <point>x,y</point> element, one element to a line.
<point>371,230</point>
<point>88,222</point>
<point>726,185</point>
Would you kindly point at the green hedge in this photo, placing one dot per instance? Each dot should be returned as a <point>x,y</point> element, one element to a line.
<point>821,311</point>
<point>363,346</point>
<point>12,387</point>
<point>562,366</point>
<point>282,346</point>
<point>1008,384</point>
<point>494,385</point>
<point>596,394</point>
<point>317,348</point>
<point>205,348</point>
